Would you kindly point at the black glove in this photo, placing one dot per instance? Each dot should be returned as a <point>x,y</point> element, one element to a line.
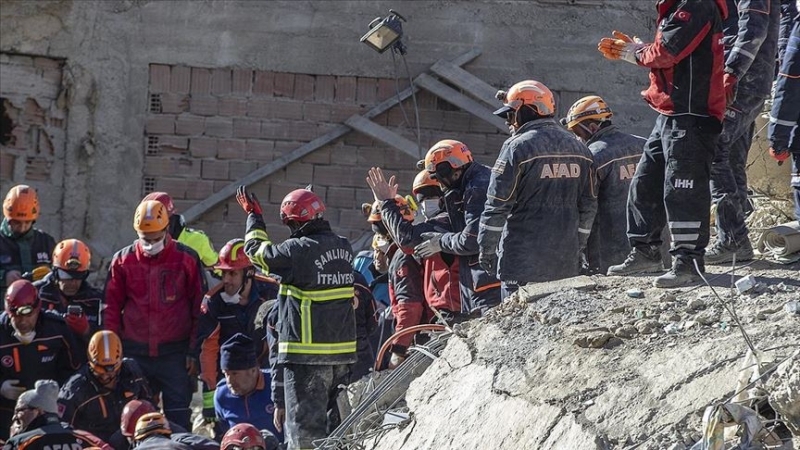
<point>489,262</point>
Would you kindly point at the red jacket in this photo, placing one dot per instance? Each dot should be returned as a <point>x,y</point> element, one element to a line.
<point>686,59</point>
<point>441,282</point>
<point>153,303</point>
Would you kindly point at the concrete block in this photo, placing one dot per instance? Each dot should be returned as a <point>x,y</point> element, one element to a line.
<point>231,149</point>
<point>201,81</point>
<point>345,89</point>
<point>284,147</point>
<point>366,90</point>
<point>342,112</point>
<point>221,82</point>
<point>369,157</point>
<point>260,150</point>
<point>303,87</point>
<point>7,162</point>
<point>219,127</point>
<point>214,170</point>
<point>263,82</point>
<point>284,84</point>
<point>319,156</point>
<point>175,187</point>
<point>287,109</point>
<point>159,78</point>
<point>429,119</point>
<point>187,167</point>
<point>239,169</point>
<point>174,103</point>
<point>395,159</point>
<point>174,144</point>
<point>324,88</point>
<point>203,147</point>
<point>299,172</point>
<point>160,124</point>
<point>279,190</point>
<point>242,81</point>
<point>456,121</point>
<point>203,105</point>
<point>534,291</point>
<point>246,128</point>
<point>188,125</point>
<point>199,189</point>
<point>259,107</point>
<point>316,112</point>
<point>340,197</point>
<point>386,89</point>
<point>346,155</point>
<point>232,106</point>
<point>159,166</point>
<point>180,79</point>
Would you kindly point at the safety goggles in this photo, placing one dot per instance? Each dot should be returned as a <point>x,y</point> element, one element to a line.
<point>443,170</point>
<point>22,311</point>
<point>241,447</point>
<point>64,275</point>
<point>105,369</point>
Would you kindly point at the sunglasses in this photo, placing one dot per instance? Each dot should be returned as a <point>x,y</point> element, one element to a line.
<point>64,275</point>
<point>22,311</point>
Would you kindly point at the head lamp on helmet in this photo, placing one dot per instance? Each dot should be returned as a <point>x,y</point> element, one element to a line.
<point>21,298</point>
<point>591,107</point>
<point>105,353</point>
<point>527,93</point>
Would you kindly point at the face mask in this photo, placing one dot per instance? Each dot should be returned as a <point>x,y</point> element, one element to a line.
<point>152,249</point>
<point>430,207</point>
<point>230,299</point>
<point>26,338</point>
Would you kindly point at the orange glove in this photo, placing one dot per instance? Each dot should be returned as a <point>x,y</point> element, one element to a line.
<point>621,46</point>
<point>779,155</point>
<point>248,201</point>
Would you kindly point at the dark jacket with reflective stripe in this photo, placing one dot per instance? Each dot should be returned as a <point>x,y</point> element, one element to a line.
<point>751,40</point>
<point>316,320</point>
<point>686,59</point>
<point>479,289</point>
<point>87,405</point>
<point>616,155</point>
<point>23,253</point>
<point>47,432</point>
<point>785,115</point>
<point>88,298</point>
<point>540,205</point>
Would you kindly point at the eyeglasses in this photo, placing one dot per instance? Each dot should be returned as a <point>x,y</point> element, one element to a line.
<point>64,275</point>
<point>21,311</point>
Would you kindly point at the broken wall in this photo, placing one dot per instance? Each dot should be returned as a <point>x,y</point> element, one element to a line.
<point>109,50</point>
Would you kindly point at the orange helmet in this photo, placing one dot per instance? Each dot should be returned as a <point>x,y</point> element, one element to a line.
<point>450,151</point>
<point>242,436</point>
<point>21,298</point>
<point>131,413</point>
<point>375,211</point>
<point>232,256</point>
<point>151,215</point>
<point>591,107</point>
<point>164,198</point>
<point>21,203</point>
<point>424,186</point>
<point>531,93</point>
<point>105,352</point>
<point>72,255</point>
<point>151,423</point>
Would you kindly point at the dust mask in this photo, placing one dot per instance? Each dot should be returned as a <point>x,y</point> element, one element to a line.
<point>430,207</point>
<point>25,338</point>
<point>152,249</point>
<point>230,299</point>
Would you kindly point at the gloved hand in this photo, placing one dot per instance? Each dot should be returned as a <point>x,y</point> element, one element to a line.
<point>489,262</point>
<point>729,81</point>
<point>621,46</point>
<point>78,324</point>
<point>11,389</point>
<point>430,246</point>
<point>779,155</point>
<point>209,416</point>
<point>192,366</point>
<point>395,360</point>
<point>248,201</point>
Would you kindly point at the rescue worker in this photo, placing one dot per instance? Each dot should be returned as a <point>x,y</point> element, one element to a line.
<point>33,344</point>
<point>197,240</point>
<point>245,436</point>
<point>245,395</point>
<point>464,184</point>
<point>66,286</point>
<point>23,248</point>
<point>228,308</point>
<point>406,292</point>
<point>671,184</point>
<point>133,410</point>
<point>540,200</point>
<point>152,301</point>
<point>93,398</point>
<point>153,433</point>
<point>615,156</point>
<point>784,119</point>
<point>315,347</point>
<point>751,39</point>
<point>36,417</point>
<point>440,271</point>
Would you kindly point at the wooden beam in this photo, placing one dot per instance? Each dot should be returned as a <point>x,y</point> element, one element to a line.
<point>476,87</point>
<point>197,210</point>
<point>383,134</point>
<point>469,105</point>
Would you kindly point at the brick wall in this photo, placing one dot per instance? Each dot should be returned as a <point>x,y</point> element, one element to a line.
<point>206,128</point>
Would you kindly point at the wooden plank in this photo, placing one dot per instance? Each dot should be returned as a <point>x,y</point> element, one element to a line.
<point>383,134</point>
<point>476,87</point>
<point>469,105</point>
<point>262,172</point>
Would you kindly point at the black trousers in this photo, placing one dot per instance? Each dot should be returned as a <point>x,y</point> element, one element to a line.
<point>671,185</point>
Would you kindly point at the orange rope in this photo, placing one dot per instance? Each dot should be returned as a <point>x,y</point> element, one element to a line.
<point>403,332</point>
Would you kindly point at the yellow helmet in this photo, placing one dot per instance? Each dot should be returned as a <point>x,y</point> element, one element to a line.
<point>151,215</point>
<point>591,107</point>
<point>529,92</point>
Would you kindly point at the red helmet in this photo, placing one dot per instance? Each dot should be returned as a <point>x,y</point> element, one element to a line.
<point>232,256</point>
<point>21,298</point>
<point>242,436</point>
<point>131,413</point>
<point>301,205</point>
<point>164,198</point>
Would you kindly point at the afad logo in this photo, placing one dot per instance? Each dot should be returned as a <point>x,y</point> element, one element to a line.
<point>270,409</point>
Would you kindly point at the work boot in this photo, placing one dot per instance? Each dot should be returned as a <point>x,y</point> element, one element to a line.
<point>722,253</point>
<point>682,273</point>
<point>645,259</point>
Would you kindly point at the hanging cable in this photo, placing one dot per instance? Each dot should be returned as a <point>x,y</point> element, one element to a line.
<point>414,99</point>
